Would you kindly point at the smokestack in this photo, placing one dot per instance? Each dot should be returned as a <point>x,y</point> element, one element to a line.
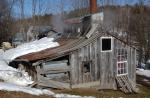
<point>93,6</point>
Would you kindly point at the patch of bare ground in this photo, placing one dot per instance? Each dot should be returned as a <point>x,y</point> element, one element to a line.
<point>6,94</point>
<point>144,92</point>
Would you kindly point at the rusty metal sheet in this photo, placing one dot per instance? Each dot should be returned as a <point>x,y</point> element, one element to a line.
<point>65,44</point>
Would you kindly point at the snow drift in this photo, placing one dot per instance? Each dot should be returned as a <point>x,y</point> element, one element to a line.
<point>33,91</point>
<point>143,72</point>
<point>12,75</point>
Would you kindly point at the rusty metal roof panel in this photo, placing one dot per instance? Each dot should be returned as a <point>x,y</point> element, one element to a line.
<point>65,44</point>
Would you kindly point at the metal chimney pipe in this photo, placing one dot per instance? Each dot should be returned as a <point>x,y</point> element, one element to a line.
<point>93,6</point>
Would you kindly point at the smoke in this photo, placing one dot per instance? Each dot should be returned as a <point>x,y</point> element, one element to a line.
<point>58,22</point>
<point>3,7</point>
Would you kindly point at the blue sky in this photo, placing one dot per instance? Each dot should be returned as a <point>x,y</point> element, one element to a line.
<point>54,6</point>
<point>47,6</point>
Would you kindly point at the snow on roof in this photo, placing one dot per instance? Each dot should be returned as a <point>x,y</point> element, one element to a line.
<point>35,46</point>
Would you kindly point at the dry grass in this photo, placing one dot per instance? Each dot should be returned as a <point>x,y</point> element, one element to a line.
<point>144,92</point>
<point>6,94</point>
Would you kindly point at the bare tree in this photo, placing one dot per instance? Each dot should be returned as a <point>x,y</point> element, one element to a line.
<point>21,3</point>
<point>34,6</point>
<point>5,20</point>
<point>81,7</point>
<point>139,26</point>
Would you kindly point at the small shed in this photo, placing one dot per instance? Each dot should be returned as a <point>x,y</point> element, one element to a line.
<point>97,59</point>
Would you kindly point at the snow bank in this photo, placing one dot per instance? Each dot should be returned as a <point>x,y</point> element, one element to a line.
<point>143,72</point>
<point>33,91</point>
<point>70,96</point>
<point>15,77</point>
<point>12,75</point>
<point>4,66</point>
<point>30,47</point>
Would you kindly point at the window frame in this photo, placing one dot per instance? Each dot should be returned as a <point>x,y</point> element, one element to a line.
<point>111,38</point>
<point>126,68</point>
<point>122,52</point>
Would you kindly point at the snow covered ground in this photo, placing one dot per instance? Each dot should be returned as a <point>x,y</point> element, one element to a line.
<point>33,91</point>
<point>143,72</point>
<point>70,96</point>
<point>12,75</point>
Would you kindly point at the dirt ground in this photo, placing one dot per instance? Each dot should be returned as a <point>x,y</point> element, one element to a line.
<point>144,92</point>
<point>6,94</point>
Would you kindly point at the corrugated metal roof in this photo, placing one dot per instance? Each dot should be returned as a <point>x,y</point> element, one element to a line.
<point>65,44</point>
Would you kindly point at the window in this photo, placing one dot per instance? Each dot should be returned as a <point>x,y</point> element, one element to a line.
<point>106,44</point>
<point>122,68</point>
<point>122,64</point>
<point>86,66</point>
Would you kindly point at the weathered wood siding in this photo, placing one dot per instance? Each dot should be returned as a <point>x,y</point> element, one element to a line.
<point>103,66</point>
<point>131,59</point>
<point>107,69</point>
<point>132,64</point>
<point>88,53</point>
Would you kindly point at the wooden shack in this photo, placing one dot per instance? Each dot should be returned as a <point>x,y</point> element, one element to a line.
<point>95,59</point>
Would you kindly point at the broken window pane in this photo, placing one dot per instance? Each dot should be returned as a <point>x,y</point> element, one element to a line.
<point>106,44</point>
<point>86,67</point>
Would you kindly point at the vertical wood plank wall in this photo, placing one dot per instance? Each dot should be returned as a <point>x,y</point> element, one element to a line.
<point>103,65</point>
<point>131,60</point>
